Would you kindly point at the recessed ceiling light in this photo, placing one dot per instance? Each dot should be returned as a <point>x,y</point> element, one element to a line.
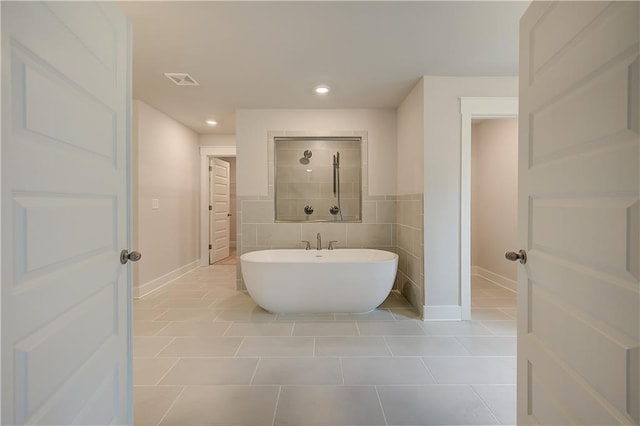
<point>212,122</point>
<point>322,90</point>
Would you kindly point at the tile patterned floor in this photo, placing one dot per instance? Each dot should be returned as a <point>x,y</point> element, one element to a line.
<point>205,354</point>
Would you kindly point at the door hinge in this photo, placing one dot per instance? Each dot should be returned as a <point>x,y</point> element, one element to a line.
<point>210,247</point>
<point>210,168</point>
<point>210,207</point>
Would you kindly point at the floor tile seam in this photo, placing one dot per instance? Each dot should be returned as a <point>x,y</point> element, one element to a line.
<point>384,339</point>
<point>228,385</point>
<point>164,311</point>
<point>218,313</point>
<point>486,405</point>
<point>439,385</point>
<point>157,386</point>
<point>218,357</point>
<point>275,409</point>
<point>358,331</point>
<point>172,404</point>
<point>508,314</point>
<point>255,370</point>
<point>168,370</point>
<point>485,327</point>
<point>235,355</point>
<point>165,326</point>
<point>224,334</point>
<point>468,356</point>
<point>428,370</point>
<point>384,416</point>
<point>164,347</point>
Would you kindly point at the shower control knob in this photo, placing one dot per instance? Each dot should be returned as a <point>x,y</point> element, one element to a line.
<point>334,209</point>
<point>308,209</point>
<point>513,256</point>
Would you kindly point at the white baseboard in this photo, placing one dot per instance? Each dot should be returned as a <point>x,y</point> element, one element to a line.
<point>442,313</point>
<point>505,282</point>
<point>153,285</point>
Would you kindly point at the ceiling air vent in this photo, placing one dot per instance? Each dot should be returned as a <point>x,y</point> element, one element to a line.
<point>181,79</point>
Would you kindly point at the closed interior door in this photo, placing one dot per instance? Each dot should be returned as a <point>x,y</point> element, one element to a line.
<point>219,210</point>
<point>66,298</point>
<point>578,293</point>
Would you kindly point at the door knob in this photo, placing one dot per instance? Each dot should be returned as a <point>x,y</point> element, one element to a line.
<point>125,256</point>
<point>520,255</point>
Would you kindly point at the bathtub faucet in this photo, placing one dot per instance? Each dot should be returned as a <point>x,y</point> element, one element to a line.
<point>319,246</point>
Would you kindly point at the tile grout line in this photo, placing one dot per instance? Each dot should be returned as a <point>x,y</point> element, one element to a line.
<point>384,416</point>
<point>255,371</point>
<point>164,311</point>
<point>384,339</point>
<point>172,404</point>
<point>485,404</point>
<point>235,355</point>
<point>166,325</point>
<point>167,372</point>
<point>435,382</point>
<point>275,410</point>
<point>226,330</point>
<point>164,347</point>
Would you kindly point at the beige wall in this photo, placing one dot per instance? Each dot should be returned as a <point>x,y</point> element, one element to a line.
<point>217,140</point>
<point>251,137</point>
<point>494,197</point>
<point>409,205</point>
<point>166,167</point>
<point>442,182</point>
<point>410,129</point>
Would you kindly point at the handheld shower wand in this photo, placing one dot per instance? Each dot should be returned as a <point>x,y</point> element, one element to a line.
<point>336,182</point>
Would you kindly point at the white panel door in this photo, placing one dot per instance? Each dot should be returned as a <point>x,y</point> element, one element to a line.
<point>579,292</point>
<point>219,211</point>
<point>66,298</point>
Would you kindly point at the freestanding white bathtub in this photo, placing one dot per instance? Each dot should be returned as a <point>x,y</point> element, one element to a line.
<point>311,281</point>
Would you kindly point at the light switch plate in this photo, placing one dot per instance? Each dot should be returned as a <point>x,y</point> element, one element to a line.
<point>155,203</point>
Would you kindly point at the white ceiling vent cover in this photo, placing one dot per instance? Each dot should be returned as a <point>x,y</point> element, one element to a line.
<point>182,79</point>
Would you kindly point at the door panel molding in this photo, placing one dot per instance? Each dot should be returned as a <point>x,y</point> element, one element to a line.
<point>579,192</point>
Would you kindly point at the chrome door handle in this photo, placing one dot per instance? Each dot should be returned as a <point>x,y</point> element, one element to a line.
<point>521,255</point>
<point>125,256</point>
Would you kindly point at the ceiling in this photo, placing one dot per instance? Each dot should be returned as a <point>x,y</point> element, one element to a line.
<point>272,54</point>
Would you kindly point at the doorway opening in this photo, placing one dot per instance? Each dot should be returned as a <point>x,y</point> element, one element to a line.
<point>470,109</point>
<point>208,226</point>
<point>494,216</point>
<point>222,208</point>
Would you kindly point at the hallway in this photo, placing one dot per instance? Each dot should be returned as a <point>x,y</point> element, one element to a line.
<point>206,354</point>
